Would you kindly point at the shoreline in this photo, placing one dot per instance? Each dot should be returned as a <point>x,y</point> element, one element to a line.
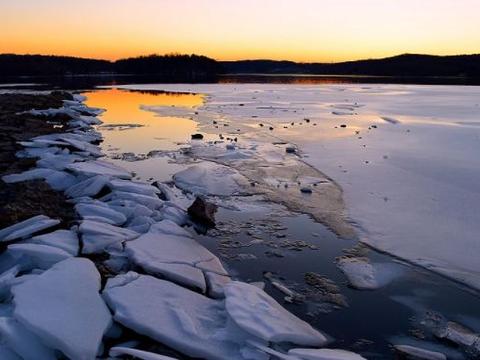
<point>98,234</point>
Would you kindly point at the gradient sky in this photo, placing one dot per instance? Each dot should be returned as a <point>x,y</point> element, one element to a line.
<point>300,30</point>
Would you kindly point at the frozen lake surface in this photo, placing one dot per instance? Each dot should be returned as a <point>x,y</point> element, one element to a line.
<point>406,158</point>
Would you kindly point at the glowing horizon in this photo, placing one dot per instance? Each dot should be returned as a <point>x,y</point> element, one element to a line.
<point>301,30</point>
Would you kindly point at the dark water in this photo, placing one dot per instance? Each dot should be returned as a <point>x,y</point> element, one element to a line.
<point>91,81</point>
<point>372,318</point>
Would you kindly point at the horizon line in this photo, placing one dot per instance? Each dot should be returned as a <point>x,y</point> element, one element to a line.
<point>242,59</point>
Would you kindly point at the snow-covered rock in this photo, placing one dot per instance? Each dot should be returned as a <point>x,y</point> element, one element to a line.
<point>97,236</point>
<point>63,308</point>
<point>66,240</point>
<point>27,227</point>
<point>259,314</point>
<point>170,314</point>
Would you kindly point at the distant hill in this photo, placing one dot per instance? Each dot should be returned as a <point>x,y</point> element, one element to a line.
<point>169,67</point>
<point>201,68</point>
<point>402,65</point>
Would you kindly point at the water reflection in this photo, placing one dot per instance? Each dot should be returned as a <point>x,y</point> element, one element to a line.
<point>130,128</point>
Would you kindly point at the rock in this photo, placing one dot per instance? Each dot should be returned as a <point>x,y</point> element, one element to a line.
<point>290,149</point>
<point>197,136</point>
<point>203,211</point>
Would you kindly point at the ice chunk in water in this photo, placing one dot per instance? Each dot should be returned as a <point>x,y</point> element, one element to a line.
<point>259,314</point>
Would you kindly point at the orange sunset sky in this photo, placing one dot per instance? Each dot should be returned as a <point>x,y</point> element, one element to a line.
<point>300,30</point>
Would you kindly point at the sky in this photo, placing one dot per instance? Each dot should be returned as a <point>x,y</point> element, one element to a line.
<point>299,30</point>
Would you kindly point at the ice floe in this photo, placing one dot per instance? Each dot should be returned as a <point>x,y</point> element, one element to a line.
<point>324,354</point>
<point>66,240</point>
<point>210,179</point>
<point>362,274</point>
<point>419,353</point>
<point>100,212</point>
<point>258,313</point>
<point>184,320</point>
<point>99,167</point>
<point>97,236</point>
<point>178,258</point>
<point>33,256</point>
<point>138,354</point>
<point>23,342</point>
<point>63,308</point>
<point>27,227</point>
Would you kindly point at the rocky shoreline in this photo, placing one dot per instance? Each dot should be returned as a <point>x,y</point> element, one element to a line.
<point>95,262</point>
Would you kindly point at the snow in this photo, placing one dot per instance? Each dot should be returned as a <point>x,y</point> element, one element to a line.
<point>324,354</point>
<point>99,167</point>
<point>66,240</point>
<point>419,353</point>
<point>259,314</point>
<point>178,258</point>
<point>63,308</point>
<point>22,341</point>
<point>138,354</point>
<point>210,179</point>
<point>97,236</point>
<point>27,227</point>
